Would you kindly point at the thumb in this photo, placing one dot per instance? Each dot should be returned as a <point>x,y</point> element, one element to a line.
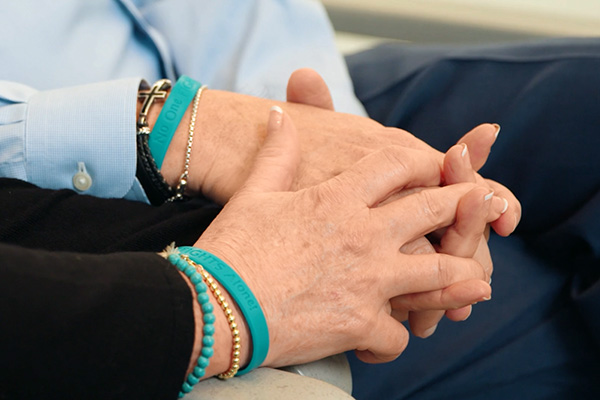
<point>277,161</point>
<point>306,86</point>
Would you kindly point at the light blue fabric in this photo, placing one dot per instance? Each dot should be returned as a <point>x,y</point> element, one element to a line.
<point>60,47</point>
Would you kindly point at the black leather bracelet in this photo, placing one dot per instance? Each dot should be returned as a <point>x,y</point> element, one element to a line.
<point>147,172</point>
<point>157,190</point>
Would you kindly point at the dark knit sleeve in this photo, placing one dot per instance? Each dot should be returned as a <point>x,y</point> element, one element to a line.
<point>64,220</point>
<point>81,326</point>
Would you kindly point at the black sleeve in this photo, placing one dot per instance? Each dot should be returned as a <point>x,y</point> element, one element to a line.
<point>81,326</point>
<point>74,325</point>
<point>64,220</point>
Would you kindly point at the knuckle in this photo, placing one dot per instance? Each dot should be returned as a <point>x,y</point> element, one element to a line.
<point>398,157</point>
<point>418,246</point>
<point>356,240</point>
<point>399,345</point>
<point>443,269</point>
<point>433,209</point>
<point>326,198</point>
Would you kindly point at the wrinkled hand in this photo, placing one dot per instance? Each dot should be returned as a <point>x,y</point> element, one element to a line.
<point>305,86</point>
<point>324,261</point>
<point>230,129</point>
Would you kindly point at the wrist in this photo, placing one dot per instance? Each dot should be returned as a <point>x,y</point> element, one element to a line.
<point>221,359</point>
<point>231,128</point>
<point>174,160</point>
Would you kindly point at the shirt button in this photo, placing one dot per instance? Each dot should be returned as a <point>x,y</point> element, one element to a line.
<point>82,181</point>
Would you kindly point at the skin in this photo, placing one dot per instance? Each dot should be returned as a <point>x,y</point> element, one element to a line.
<point>355,267</point>
<point>329,146</point>
<point>459,164</point>
<point>357,248</point>
<point>231,128</point>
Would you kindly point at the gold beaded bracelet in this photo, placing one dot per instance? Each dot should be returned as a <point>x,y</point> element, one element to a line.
<point>235,333</point>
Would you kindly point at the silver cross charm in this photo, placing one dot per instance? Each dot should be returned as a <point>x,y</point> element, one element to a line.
<point>157,91</point>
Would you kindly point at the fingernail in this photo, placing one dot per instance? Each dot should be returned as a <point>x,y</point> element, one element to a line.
<point>490,281</point>
<point>488,196</point>
<point>464,151</point>
<point>429,331</point>
<point>497,130</point>
<point>505,206</point>
<point>469,314</point>
<point>276,114</point>
<point>486,298</point>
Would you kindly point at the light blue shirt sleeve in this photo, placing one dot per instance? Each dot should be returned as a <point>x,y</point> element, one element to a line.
<point>252,46</point>
<point>70,124</point>
<point>48,137</point>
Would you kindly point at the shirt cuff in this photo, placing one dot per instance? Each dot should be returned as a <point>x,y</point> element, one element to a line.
<point>84,136</point>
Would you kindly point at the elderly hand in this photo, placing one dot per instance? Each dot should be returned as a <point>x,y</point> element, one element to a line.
<point>230,129</point>
<point>324,261</point>
<point>466,237</point>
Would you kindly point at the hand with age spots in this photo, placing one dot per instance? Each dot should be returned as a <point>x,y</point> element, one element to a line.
<point>324,261</point>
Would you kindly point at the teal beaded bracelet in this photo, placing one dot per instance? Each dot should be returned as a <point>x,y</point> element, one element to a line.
<point>208,318</point>
<point>244,298</point>
<point>170,116</point>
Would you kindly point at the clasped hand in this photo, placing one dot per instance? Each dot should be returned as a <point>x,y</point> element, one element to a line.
<point>325,262</point>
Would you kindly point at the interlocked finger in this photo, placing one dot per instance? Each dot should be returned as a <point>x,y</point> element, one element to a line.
<point>378,175</point>
<point>424,273</point>
<point>428,210</point>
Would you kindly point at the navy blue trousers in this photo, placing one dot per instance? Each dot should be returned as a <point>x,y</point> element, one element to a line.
<point>539,336</point>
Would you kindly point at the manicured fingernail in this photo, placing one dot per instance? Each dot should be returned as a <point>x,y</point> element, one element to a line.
<point>497,130</point>
<point>469,314</point>
<point>486,298</point>
<point>276,115</point>
<point>490,281</point>
<point>488,196</point>
<point>505,206</point>
<point>429,331</point>
<point>465,149</point>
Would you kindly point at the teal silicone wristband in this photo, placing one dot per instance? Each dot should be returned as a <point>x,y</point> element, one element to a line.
<point>170,116</point>
<point>244,298</point>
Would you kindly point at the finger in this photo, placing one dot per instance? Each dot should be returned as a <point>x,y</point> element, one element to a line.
<point>483,256</point>
<point>375,177</point>
<point>425,273</point>
<point>399,315</point>
<point>422,212</point>
<point>456,299</point>
<point>462,238</point>
<point>457,165</point>
<point>277,161</point>
<point>479,141</point>
<point>460,314</point>
<point>306,86</point>
<point>418,246</point>
<point>511,212</point>
<point>455,296</point>
<point>424,323</point>
<point>388,340</point>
